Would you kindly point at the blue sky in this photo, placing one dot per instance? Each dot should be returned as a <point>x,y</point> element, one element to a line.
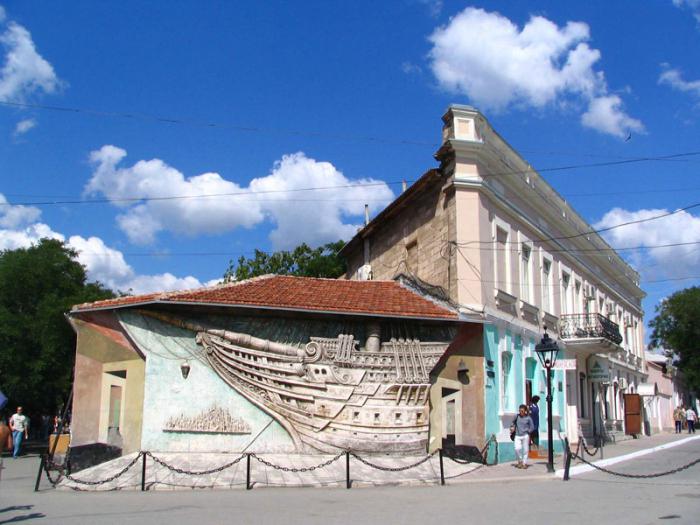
<point>279,96</point>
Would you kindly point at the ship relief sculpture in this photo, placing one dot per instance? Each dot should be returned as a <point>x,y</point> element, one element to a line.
<point>215,420</point>
<point>330,394</point>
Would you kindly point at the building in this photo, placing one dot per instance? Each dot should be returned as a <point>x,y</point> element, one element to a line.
<point>490,233</point>
<point>271,364</point>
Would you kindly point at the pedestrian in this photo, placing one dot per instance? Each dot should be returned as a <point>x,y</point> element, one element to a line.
<point>535,416</point>
<point>691,417</point>
<point>19,424</point>
<point>678,418</point>
<point>522,427</point>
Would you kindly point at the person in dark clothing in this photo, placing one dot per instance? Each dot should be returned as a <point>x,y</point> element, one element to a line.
<point>535,416</point>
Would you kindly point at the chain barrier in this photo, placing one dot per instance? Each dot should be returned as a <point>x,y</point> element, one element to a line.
<point>637,476</point>
<point>297,469</point>
<point>393,469</point>
<point>582,443</point>
<point>62,474</point>
<point>194,472</point>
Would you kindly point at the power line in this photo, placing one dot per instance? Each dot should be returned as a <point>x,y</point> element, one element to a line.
<point>205,124</point>
<point>600,230</point>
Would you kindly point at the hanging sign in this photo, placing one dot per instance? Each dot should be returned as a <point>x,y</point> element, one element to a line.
<point>598,370</point>
<point>565,364</point>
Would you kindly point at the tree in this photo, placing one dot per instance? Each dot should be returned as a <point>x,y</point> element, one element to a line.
<point>38,285</point>
<point>303,261</point>
<point>677,329</point>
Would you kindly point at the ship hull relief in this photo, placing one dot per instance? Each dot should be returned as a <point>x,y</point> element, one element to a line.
<point>330,393</point>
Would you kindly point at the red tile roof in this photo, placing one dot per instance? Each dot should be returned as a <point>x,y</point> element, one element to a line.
<point>384,298</point>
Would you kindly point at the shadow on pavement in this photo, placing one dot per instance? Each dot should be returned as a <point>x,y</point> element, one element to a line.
<point>25,517</point>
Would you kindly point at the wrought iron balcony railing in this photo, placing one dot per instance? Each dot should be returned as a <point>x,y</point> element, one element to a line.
<point>588,326</point>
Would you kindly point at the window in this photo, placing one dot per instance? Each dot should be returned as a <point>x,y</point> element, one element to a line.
<point>577,297</point>
<point>546,287</point>
<point>565,292</point>
<point>502,259</point>
<point>506,361</point>
<point>525,273</point>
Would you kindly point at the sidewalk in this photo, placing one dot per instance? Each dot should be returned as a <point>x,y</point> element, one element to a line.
<point>159,477</point>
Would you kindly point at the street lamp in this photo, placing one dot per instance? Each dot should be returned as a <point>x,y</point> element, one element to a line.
<point>547,351</point>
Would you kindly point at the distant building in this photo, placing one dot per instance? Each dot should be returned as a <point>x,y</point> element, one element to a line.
<point>509,251</point>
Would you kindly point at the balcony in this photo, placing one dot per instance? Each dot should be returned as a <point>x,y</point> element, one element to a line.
<point>589,333</point>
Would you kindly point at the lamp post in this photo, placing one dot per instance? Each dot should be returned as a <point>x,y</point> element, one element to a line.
<point>547,351</point>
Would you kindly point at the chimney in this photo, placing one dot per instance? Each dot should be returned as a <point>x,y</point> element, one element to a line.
<point>366,214</point>
<point>403,185</point>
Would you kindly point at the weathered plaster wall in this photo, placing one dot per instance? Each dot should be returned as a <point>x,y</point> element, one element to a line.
<point>85,425</point>
<point>465,350</point>
<point>97,353</point>
<point>168,395</point>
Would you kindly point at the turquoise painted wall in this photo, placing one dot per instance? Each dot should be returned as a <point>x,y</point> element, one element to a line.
<point>167,394</point>
<point>492,388</point>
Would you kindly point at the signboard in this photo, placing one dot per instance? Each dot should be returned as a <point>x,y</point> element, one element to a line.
<point>565,364</point>
<point>598,370</point>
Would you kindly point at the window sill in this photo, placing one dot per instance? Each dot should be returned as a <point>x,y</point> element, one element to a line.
<point>529,308</point>
<point>504,298</point>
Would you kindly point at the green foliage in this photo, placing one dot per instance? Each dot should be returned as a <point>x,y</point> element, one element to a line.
<point>38,285</point>
<point>677,329</point>
<point>303,261</point>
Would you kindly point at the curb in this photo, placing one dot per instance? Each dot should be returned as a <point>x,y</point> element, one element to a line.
<point>582,469</point>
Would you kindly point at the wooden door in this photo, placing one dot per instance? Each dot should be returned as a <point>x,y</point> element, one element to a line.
<point>633,414</point>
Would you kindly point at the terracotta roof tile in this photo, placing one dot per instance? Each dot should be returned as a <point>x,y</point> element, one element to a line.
<point>387,298</point>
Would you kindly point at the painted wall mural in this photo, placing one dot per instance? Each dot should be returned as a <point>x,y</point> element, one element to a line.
<point>332,386</point>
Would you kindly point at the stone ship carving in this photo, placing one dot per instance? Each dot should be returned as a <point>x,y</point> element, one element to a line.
<point>331,395</point>
<point>215,420</point>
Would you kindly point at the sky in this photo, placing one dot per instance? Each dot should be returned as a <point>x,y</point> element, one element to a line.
<point>160,140</point>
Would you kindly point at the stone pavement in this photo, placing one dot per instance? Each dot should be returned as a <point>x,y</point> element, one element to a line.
<point>159,477</point>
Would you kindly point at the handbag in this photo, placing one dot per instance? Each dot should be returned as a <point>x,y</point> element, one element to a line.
<point>513,427</point>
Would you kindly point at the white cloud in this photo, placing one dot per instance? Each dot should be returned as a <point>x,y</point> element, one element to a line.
<point>16,216</point>
<point>673,261</point>
<point>108,266</point>
<point>693,5</point>
<point>319,218</point>
<point>25,71</point>
<point>3,14</point>
<point>674,78</point>
<point>24,125</point>
<point>605,114</point>
<point>497,65</point>
<point>434,6</point>
<point>411,69</point>
<point>19,229</point>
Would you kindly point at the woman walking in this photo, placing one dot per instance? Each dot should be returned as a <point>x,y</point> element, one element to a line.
<point>523,426</point>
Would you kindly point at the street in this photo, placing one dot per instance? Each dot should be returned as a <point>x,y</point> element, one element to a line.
<point>588,498</point>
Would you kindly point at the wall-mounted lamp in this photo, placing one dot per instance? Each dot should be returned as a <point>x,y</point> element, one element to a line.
<point>185,369</point>
<point>462,373</point>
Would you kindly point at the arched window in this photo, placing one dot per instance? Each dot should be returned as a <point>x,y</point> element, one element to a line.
<point>506,381</point>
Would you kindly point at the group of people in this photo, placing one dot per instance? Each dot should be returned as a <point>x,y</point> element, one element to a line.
<point>525,430</point>
<point>685,416</point>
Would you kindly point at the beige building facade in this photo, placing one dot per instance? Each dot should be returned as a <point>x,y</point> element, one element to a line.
<point>512,253</point>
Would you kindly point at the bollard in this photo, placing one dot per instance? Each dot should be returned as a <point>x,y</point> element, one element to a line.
<point>442,470</point>
<point>347,469</point>
<point>602,443</point>
<point>41,471</point>
<point>143,471</point>
<point>567,459</point>
<point>247,472</point>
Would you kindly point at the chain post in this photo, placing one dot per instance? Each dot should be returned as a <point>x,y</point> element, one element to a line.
<point>143,471</point>
<point>40,473</point>
<point>442,470</point>
<point>247,472</point>
<point>567,459</point>
<point>602,444</point>
<point>347,469</point>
